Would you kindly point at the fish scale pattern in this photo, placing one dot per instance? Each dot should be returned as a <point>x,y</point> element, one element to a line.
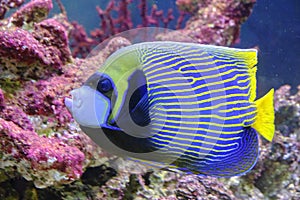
<point>201,109</point>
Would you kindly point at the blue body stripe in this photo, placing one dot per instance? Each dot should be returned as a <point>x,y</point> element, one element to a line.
<point>184,82</point>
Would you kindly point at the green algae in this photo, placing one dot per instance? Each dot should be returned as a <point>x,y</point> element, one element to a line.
<point>272,179</point>
<point>10,86</point>
<point>45,132</point>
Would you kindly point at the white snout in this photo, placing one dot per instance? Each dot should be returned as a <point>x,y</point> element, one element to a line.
<point>89,107</point>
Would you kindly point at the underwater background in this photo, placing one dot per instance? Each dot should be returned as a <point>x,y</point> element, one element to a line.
<point>273,27</point>
<point>44,54</point>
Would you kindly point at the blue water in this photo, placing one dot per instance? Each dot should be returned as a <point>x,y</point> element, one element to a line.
<point>274,27</point>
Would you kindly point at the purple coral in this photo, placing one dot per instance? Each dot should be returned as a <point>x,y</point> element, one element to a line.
<point>211,24</point>
<point>36,53</point>
<point>116,18</point>
<point>46,98</point>
<point>36,154</point>
<point>21,46</point>
<point>8,4</point>
<point>1,100</point>
<point>34,11</point>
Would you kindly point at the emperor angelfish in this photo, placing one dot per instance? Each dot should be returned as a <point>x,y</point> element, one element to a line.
<point>181,106</point>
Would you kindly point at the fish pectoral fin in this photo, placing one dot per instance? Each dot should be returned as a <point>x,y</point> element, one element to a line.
<point>264,122</point>
<point>140,113</point>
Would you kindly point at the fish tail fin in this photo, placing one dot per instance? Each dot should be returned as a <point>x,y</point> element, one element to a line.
<point>264,122</point>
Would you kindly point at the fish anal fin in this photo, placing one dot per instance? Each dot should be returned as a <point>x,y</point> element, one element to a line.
<point>237,162</point>
<point>264,122</point>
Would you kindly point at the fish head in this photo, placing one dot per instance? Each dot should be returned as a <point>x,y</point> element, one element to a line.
<point>90,104</point>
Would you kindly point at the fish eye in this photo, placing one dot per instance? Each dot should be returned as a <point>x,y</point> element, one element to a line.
<point>104,85</point>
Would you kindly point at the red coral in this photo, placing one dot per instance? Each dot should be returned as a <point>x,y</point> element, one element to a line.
<point>80,42</point>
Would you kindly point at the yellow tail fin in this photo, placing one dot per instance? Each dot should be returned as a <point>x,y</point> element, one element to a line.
<point>264,122</point>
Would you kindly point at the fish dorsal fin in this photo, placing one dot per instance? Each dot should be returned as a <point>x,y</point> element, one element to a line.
<point>246,58</point>
<point>243,59</point>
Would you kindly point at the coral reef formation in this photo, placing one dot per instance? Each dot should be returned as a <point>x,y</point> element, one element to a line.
<point>45,155</point>
<point>32,47</point>
<point>213,22</point>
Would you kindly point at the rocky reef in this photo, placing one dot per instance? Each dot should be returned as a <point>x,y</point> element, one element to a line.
<point>45,155</point>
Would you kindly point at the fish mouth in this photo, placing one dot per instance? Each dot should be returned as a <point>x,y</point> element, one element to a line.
<point>88,107</point>
<point>69,104</point>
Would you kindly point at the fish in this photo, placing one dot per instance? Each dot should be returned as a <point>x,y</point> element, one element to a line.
<point>178,106</point>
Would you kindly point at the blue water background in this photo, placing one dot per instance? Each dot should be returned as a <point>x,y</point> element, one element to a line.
<point>273,27</point>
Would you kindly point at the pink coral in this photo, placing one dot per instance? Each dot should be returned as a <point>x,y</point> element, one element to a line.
<point>38,58</point>
<point>21,46</point>
<point>15,114</point>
